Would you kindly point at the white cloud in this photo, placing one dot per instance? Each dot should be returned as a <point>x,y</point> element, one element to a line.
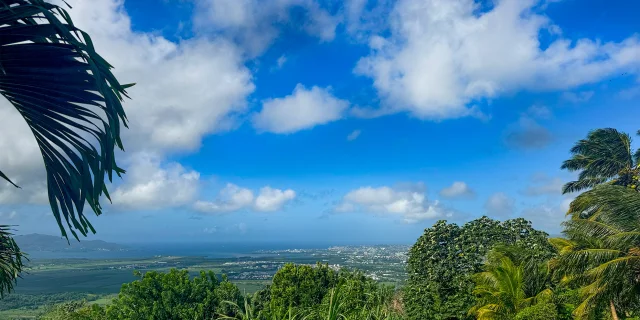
<point>184,90</point>
<point>354,135</point>
<point>231,198</point>
<point>271,199</point>
<point>499,204</point>
<point>151,185</point>
<point>255,24</point>
<point>234,198</point>
<point>577,97</point>
<point>442,55</point>
<point>20,160</point>
<point>458,190</point>
<point>408,202</point>
<point>303,109</point>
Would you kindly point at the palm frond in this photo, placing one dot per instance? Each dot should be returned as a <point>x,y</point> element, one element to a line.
<point>599,158</point>
<point>579,185</point>
<point>65,91</point>
<point>620,205</point>
<point>11,263</point>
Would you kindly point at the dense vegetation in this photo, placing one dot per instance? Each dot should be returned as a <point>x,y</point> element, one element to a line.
<point>484,269</point>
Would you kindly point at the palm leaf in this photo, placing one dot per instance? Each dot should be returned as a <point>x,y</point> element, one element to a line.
<point>10,260</point>
<point>599,158</point>
<point>65,91</point>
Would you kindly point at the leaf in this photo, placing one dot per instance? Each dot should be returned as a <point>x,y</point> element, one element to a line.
<point>3,176</point>
<point>65,91</point>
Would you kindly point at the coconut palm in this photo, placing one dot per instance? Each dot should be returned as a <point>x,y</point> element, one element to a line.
<point>604,156</point>
<point>66,93</point>
<point>10,260</point>
<point>601,253</point>
<point>502,289</point>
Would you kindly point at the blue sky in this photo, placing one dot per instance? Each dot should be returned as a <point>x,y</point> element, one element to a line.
<point>344,122</point>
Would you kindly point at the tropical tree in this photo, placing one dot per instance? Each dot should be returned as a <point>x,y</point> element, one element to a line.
<point>442,261</point>
<point>604,156</point>
<point>504,288</point>
<point>66,93</point>
<point>601,254</point>
<point>10,260</point>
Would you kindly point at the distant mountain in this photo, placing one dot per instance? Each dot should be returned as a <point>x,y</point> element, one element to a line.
<point>41,242</point>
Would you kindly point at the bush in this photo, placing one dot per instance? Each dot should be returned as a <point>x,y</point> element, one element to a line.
<point>541,311</point>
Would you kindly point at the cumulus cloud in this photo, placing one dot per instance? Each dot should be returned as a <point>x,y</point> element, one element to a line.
<point>458,190</point>
<point>354,135</point>
<point>303,109</point>
<point>231,198</point>
<point>184,90</point>
<point>234,198</point>
<point>152,185</point>
<point>271,199</point>
<point>408,202</point>
<point>500,205</point>
<point>255,24</point>
<point>442,55</point>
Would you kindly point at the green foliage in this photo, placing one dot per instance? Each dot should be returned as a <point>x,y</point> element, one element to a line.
<point>601,254</point>
<point>75,310</point>
<point>11,263</point>
<point>319,292</point>
<point>172,295</point>
<point>605,155</point>
<point>502,287</point>
<point>445,257</point>
<point>541,311</point>
<point>34,301</point>
<point>300,286</point>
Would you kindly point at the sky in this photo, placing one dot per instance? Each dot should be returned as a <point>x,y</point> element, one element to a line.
<point>345,122</point>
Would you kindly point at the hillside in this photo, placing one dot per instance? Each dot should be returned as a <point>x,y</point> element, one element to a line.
<point>40,242</point>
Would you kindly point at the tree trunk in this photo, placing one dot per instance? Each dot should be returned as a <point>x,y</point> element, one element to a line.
<point>614,314</point>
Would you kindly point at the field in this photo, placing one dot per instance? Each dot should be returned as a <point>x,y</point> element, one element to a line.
<point>51,281</point>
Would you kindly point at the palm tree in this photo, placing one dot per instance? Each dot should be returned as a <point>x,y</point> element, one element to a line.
<point>65,91</point>
<point>604,156</point>
<point>601,254</point>
<point>502,289</point>
<point>10,260</point>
